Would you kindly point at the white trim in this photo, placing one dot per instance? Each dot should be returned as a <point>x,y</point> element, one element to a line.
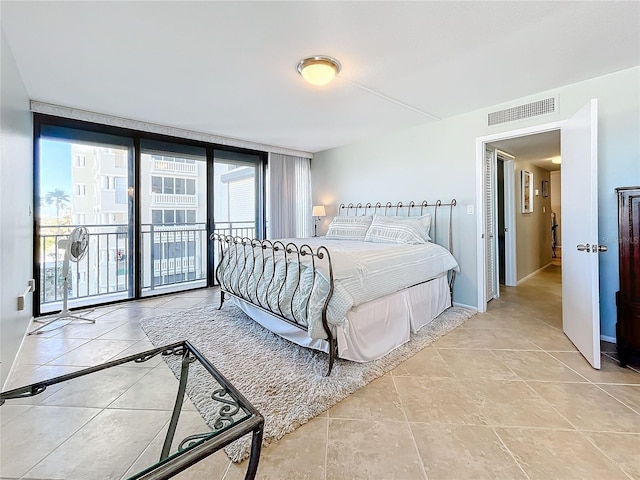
<point>480,147</point>
<point>84,115</point>
<point>14,364</point>
<point>609,339</point>
<point>510,256</point>
<point>464,305</point>
<point>532,274</point>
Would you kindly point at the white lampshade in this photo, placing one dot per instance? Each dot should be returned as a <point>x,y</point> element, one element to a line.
<point>318,211</point>
<point>318,70</point>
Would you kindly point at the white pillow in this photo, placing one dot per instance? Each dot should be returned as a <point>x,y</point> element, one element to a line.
<point>426,221</point>
<point>410,230</point>
<point>349,228</point>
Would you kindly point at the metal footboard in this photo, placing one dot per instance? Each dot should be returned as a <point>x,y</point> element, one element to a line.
<point>246,265</point>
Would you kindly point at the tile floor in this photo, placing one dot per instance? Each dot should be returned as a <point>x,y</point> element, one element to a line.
<point>504,396</point>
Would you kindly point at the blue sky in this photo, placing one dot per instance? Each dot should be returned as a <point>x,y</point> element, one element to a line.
<point>55,170</point>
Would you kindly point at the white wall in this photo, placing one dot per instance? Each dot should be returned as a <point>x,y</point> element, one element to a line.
<point>16,198</point>
<point>438,160</point>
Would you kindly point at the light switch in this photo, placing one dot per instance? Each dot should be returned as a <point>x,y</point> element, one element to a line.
<point>469,209</point>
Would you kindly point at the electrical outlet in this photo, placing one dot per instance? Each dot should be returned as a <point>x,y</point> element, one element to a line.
<point>32,285</point>
<point>20,302</point>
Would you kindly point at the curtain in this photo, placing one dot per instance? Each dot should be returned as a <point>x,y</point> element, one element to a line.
<point>289,197</point>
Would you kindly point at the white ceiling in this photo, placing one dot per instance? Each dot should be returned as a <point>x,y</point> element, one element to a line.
<point>228,68</point>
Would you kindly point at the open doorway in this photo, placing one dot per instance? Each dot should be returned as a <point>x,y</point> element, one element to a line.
<point>535,221</point>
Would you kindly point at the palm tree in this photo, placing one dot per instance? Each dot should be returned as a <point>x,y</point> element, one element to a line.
<point>60,199</point>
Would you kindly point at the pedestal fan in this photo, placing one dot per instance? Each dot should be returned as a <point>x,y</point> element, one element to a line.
<point>75,248</point>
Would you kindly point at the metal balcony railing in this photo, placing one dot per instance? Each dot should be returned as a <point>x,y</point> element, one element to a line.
<point>170,256</point>
<point>174,167</point>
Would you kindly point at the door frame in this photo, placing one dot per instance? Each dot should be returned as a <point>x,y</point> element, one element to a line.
<point>510,270</point>
<point>480,218</point>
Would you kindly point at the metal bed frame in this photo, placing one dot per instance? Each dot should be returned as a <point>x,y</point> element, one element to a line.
<point>241,254</point>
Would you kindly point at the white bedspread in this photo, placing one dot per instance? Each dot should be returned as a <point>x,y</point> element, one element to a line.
<point>362,272</point>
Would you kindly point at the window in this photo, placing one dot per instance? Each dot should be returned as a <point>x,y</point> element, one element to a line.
<point>168,185</point>
<point>79,218</point>
<point>180,186</point>
<point>79,161</point>
<point>169,216</point>
<point>80,189</point>
<point>179,216</point>
<point>156,217</point>
<point>156,184</point>
<point>121,190</point>
<point>191,216</point>
<point>191,186</point>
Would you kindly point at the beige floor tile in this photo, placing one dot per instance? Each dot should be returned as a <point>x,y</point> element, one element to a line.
<point>155,391</point>
<point>189,423</point>
<point>93,353</point>
<point>371,450</point>
<point>297,456</point>
<point>31,436</point>
<point>97,389</point>
<point>589,408</point>
<point>478,338</point>
<point>182,302</point>
<point>610,371</point>
<point>437,400</point>
<point>376,401</point>
<point>548,338</point>
<point>476,364</point>
<point>565,455</point>
<point>25,375</point>
<point>9,411</point>
<point>463,452</point>
<point>512,403</point>
<point>127,331</point>
<point>214,467</point>
<point>104,448</point>
<point>538,366</point>
<point>427,362</point>
<point>627,394</point>
<point>38,351</point>
<point>139,347</point>
<point>623,449</point>
<point>87,330</point>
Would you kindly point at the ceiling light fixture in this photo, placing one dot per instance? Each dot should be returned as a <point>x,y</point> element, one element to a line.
<point>319,69</point>
<point>556,160</point>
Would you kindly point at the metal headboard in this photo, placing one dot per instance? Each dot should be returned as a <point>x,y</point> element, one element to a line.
<point>410,209</point>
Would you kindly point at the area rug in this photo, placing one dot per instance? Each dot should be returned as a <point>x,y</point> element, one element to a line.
<point>284,381</point>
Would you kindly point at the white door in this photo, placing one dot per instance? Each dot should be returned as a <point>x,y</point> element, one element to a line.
<point>490,165</point>
<point>579,199</point>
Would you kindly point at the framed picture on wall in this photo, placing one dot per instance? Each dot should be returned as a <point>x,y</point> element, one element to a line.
<point>527,191</point>
<point>545,188</point>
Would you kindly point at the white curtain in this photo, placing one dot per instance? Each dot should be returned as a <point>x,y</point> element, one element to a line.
<point>289,197</point>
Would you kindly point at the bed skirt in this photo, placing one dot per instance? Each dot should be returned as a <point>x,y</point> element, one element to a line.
<point>374,328</point>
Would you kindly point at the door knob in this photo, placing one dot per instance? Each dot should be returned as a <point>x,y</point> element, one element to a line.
<point>602,248</point>
<point>584,248</point>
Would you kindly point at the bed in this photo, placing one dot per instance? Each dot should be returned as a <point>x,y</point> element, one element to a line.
<point>380,273</point>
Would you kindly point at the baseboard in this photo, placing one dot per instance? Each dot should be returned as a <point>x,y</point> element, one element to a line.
<point>15,359</point>
<point>607,338</point>
<point>533,274</point>
<point>457,304</point>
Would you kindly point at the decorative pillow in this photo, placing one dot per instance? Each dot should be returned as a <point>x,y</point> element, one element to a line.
<point>408,230</point>
<point>426,221</point>
<point>349,228</point>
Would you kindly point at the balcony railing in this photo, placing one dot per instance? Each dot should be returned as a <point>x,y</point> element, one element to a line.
<point>173,199</point>
<point>172,257</point>
<point>174,167</point>
<point>103,271</point>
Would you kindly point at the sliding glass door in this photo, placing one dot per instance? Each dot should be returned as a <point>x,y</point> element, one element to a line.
<point>237,186</point>
<point>83,179</point>
<point>149,203</point>
<point>173,215</point>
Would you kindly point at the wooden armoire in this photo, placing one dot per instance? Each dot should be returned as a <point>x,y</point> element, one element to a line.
<point>628,298</point>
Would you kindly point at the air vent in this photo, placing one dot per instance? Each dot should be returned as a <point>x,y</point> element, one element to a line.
<point>528,110</point>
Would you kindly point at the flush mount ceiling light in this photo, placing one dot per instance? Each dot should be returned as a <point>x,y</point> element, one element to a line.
<point>318,70</point>
<point>556,160</point>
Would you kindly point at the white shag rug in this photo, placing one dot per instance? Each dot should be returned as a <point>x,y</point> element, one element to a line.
<point>285,382</point>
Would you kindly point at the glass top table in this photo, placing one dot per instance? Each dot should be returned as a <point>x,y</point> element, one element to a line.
<point>175,445</point>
